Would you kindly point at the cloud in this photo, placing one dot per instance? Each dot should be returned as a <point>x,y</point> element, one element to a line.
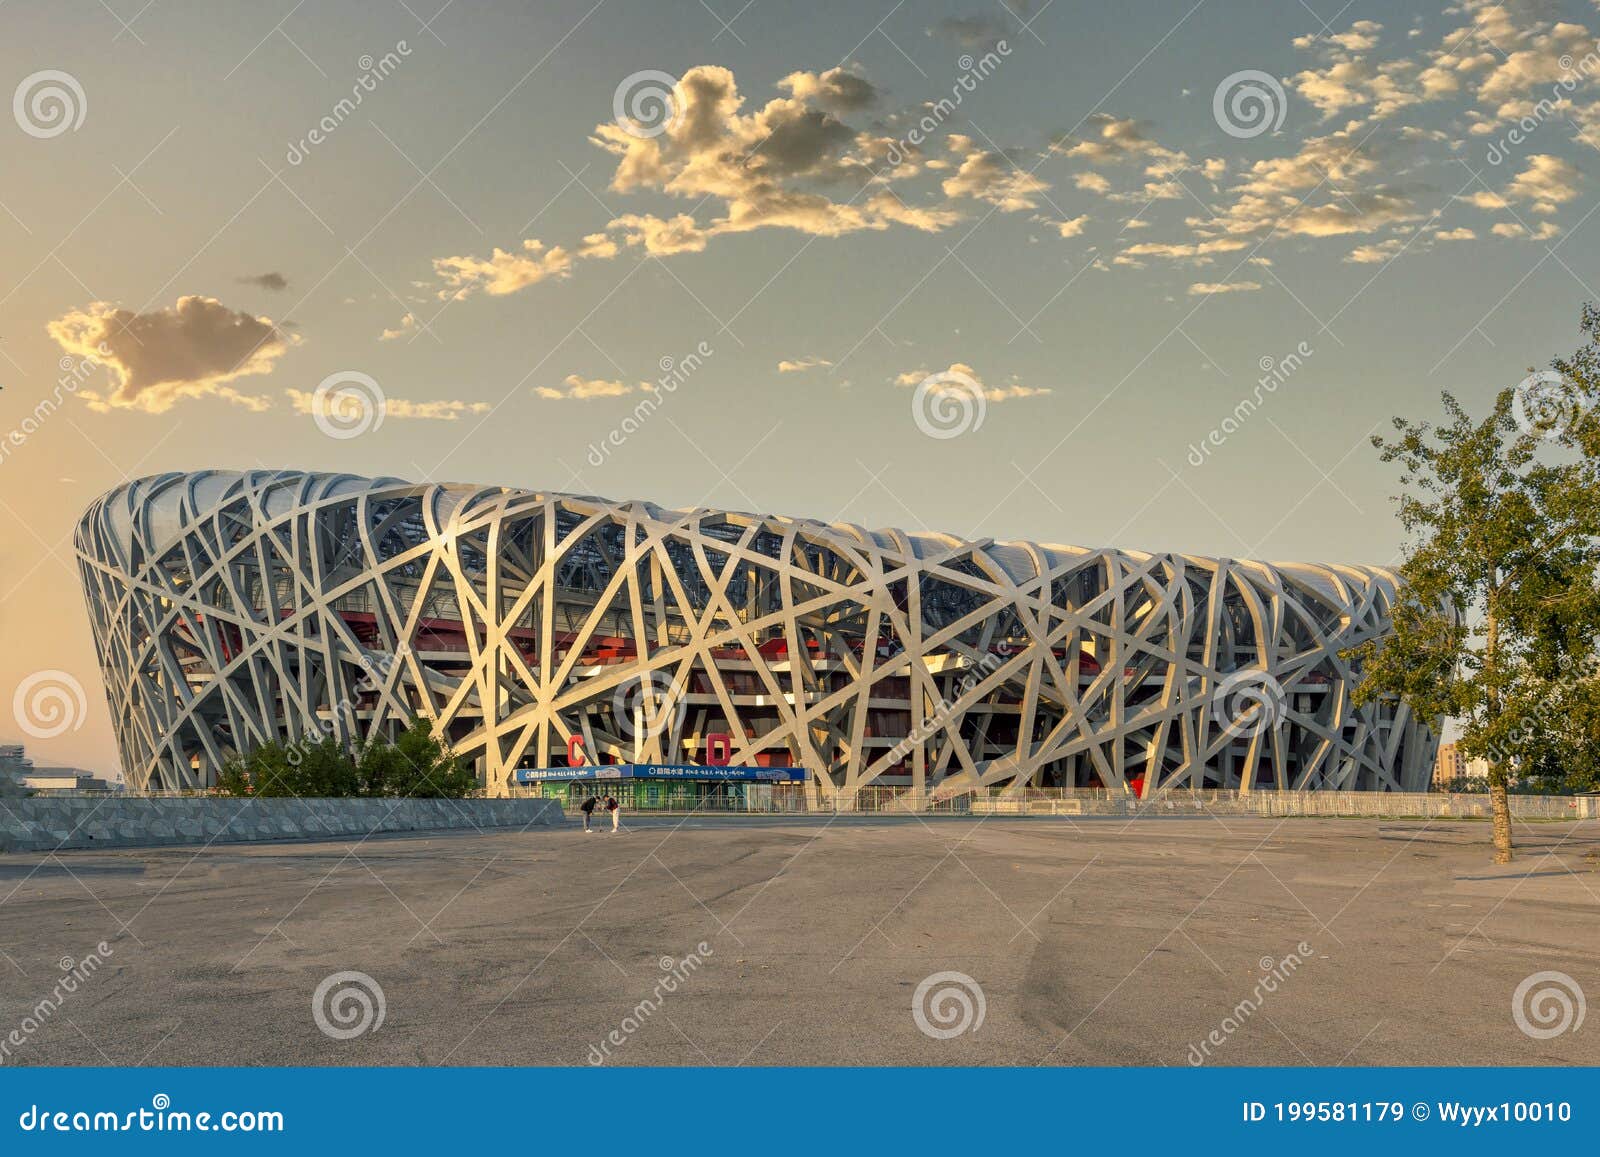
<point>272,281</point>
<point>1072,227</point>
<point>1375,254</point>
<point>994,177</point>
<point>1331,185</point>
<point>597,246</point>
<point>408,325</point>
<point>1119,139</point>
<point>1199,252</point>
<point>661,237</point>
<point>956,379</point>
<point>837,90</point>
<point>441,410</point>
<point>1349,79</point>
<point>1208,287</point>
<point>501,273</point>
<point>797,365</point>
<point>784,165</point>
<point>582,389</point>
<point>1546,183</point>
<point>1545,231</point>
<point>1462,234</point>
<point>157,359</point>
<point>790,163</point>
<point>1362,35</point>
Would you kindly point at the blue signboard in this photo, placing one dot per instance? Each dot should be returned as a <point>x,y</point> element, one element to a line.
<point>678,771</point>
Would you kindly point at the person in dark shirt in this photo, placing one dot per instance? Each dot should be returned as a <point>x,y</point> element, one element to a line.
<point>616,812</point>
<point>588,812</point>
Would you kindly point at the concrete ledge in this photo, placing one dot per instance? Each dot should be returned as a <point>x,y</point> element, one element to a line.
<point>48,823</point>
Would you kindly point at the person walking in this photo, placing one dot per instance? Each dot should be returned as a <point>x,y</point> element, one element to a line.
<point>588,812</point>
<point>615,810</point>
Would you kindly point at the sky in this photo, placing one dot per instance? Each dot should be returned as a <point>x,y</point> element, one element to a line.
<point>1146,275</point>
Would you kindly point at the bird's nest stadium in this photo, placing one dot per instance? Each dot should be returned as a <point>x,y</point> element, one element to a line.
<point>535,629</point>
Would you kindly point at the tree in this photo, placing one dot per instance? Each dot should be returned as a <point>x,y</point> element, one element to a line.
<point>1501,605</point>
<point>415,766</point>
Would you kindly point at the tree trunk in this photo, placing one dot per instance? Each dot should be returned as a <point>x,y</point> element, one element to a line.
<point>1502,817</point>
<point>1498,803</point>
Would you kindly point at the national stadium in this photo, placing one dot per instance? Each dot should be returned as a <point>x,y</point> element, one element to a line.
<point>557,638</point>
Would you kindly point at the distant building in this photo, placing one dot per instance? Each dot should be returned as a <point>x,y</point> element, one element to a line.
<point>20,772</point>
<point>1451,765</point>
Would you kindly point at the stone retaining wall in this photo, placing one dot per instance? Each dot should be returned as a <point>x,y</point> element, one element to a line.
<point>46,823</point>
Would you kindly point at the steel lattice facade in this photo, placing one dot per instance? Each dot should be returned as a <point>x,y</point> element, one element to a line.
<point>235,608</point>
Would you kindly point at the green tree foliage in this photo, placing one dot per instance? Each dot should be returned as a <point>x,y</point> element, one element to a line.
<point>1502,606</point>
<point>319,770</point>
<point>415,766</point>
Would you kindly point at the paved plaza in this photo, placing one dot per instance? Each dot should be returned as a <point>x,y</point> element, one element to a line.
<point>1299,941</point>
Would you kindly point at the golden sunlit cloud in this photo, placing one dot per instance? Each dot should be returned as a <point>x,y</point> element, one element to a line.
<point>157,359</point>
<point>439,410</point>
<point>798,365</point>
<point>580,388</point>
<point>956,378</point>
<point>501,273</point>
